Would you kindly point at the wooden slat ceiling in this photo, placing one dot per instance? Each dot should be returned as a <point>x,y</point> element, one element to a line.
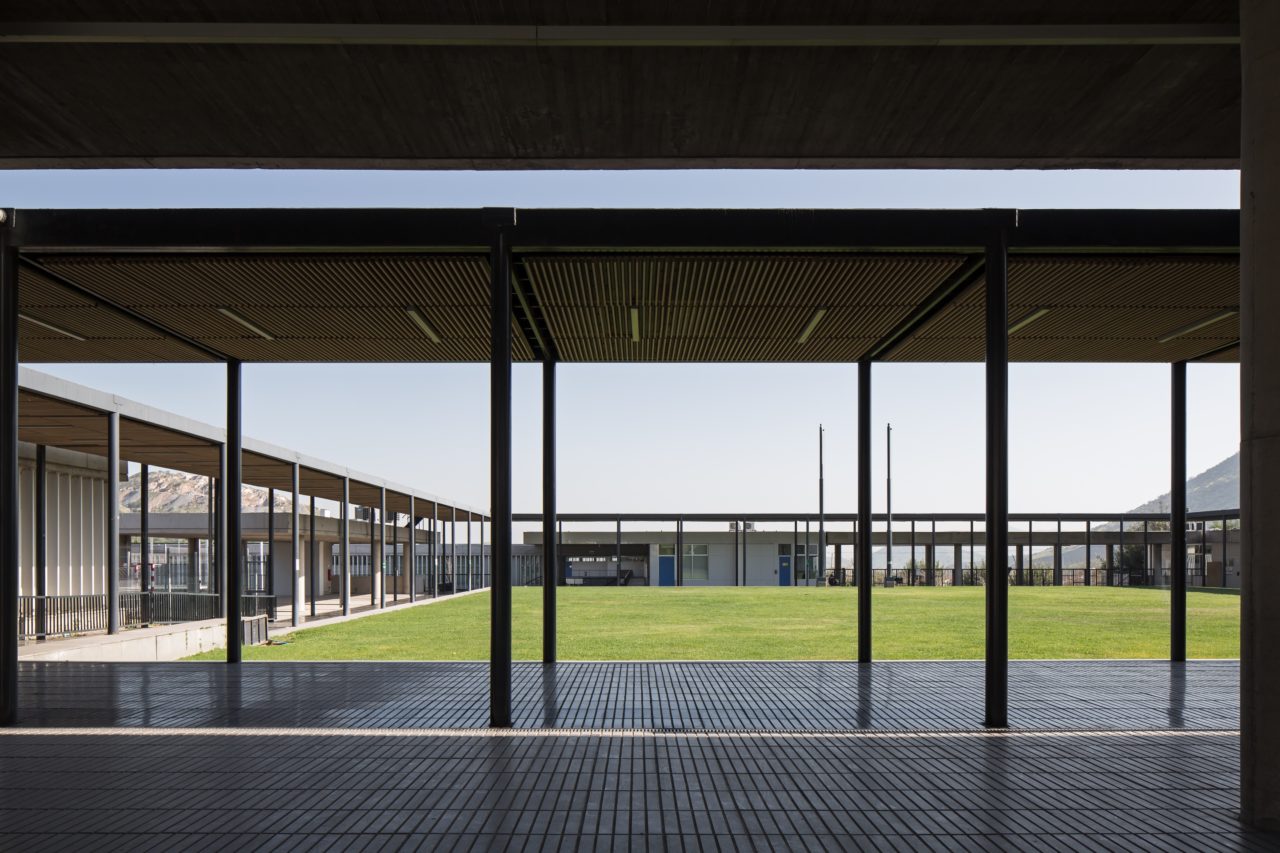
<point>58,423</point>
<point>729,307</point>
<point>1101,309</point>
<point>326,308</point>
<point>706,306</point>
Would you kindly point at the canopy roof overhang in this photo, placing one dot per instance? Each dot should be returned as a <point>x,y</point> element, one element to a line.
<point>57,413</point>
<point>412,285</point>
<point>578,84</point>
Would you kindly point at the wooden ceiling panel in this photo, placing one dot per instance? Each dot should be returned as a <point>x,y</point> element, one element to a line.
<point>317,308</point>
<point>1100,309</point>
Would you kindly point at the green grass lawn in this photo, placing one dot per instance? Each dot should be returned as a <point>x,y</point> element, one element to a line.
<point>610,623</point>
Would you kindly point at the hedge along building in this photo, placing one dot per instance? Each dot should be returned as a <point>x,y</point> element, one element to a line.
<point>1002,84</point>
<point>73,533</point>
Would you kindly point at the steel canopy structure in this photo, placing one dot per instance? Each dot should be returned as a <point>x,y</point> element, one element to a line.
<point>623,285</point>
<point>239,286</point>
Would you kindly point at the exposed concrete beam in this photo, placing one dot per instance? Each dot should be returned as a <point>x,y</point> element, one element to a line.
<point>428,35</point>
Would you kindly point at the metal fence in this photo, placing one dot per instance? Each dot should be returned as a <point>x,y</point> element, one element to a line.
<point>61,614</point>
<point>64,615</point>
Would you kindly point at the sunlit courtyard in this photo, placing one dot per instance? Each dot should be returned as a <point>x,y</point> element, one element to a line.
<point>751,623</point>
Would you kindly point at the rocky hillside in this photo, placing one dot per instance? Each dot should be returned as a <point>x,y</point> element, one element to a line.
<point>175,491</point>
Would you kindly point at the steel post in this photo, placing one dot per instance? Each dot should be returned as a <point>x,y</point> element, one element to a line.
<point>1178,516</point>
<point>550,554</point>
<point>344,547</point>
<point>295,550</point>
<point>42,540</point>
<point>997,509</point>
<point>113,522</point>
<point>500,473</point>
<point>863,560</point>
<point>235,522</point>
<point>10,526</point>
<point>144,542</point>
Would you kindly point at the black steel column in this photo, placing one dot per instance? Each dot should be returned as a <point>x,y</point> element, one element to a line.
<point>737,529</point>
<point>144,543</point>
<point>550,553</point>
<point>453,548</point>
<point>863,557</point>
<point>379,555</point>
<point>1088,552</point>
<point>471,557</point>
<point>113,522</point>
<point>313,558</point>
<point>235,523</point>
<point>680,551</point>
<point>1178,517</point>
<point>9,522</point>
<point>795,552</point>
<point>218,563</point>
<point>42,541</point>
<point>271,551</point>
<point>396,563</point>
<point>344,547</point>
<point>295,550</point>
<point>500,488</point>
<point>411,551</point>
<point>822,524</point>
<point>997,515</point>
<point>617,579</point>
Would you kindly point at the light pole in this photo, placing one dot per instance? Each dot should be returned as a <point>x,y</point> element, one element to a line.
<point>888,500</point>
<point>822,536</point>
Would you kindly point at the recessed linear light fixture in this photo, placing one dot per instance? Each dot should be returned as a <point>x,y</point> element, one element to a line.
<point>635,324</point>
<point>1198,325</point>
<point>248,324</point>
<point>421,322</point>
<point>42,324</point>
<point>811,325</point>
<point>1035,314</point>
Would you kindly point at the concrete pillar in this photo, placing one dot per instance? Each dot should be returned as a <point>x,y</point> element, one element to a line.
<point>957,571</point>
<point>1260,414</point>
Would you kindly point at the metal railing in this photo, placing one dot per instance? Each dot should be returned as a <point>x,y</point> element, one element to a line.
<point>64,615</point>
<point>59,615</point>
<point>169,608</point>
<point>256,604</point>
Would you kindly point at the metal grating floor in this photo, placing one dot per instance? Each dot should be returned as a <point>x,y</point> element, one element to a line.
<point>473,791</point>
<point>786,696</point>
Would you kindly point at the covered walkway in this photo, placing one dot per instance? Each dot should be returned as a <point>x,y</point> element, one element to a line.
<point>676,756</point>
<point>750,696</point>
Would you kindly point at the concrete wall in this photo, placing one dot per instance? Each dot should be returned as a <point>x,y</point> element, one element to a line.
<point>166,642</point>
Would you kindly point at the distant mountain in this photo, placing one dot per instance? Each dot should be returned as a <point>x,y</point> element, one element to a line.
<point>176,491</point>
<point>1217,488</point>
<point>1214,489</point>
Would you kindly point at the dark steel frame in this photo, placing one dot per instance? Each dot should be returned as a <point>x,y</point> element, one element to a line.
<point>231,492</point>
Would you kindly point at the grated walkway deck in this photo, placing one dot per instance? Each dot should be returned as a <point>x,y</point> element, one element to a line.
<point>133,790</point>
<point>667,696</point>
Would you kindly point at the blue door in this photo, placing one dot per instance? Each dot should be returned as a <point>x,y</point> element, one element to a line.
<point>784,570</point>
<point>667,571</point>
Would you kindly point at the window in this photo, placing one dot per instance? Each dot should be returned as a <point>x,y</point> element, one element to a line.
<point>666,550</point>
<point>784,550</point>
<point>695,563</point>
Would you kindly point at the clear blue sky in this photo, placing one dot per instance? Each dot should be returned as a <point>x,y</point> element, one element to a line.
<point>695,438</point>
